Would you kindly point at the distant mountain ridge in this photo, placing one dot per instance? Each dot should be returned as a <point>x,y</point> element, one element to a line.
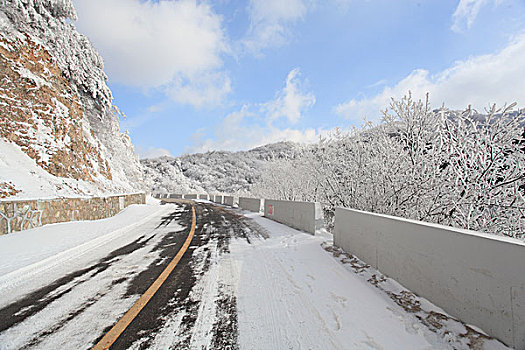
<point>240,172</point>
<point>216,171</point>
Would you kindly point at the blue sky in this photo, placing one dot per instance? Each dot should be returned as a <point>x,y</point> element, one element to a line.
<point>195,76</point>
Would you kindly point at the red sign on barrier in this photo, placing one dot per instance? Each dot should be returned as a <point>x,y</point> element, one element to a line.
<point>270,209</point>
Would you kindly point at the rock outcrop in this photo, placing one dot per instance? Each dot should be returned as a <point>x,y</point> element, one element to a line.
<point>55,104</point>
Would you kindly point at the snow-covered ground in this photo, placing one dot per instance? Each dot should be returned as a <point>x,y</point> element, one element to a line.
<point>295,291</point>
<point>27,256</point>
<point>32,182</point>
<point>257,284</point>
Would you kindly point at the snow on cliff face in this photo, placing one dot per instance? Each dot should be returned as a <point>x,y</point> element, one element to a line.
<point>56,108</point>
<point>215,172</point>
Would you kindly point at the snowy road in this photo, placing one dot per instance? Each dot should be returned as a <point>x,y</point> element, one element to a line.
<point>244,282</point>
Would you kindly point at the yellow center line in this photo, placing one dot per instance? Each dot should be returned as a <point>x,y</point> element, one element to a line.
<point>125,321</point>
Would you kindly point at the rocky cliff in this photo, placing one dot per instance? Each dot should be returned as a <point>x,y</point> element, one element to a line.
<point>59,132</point>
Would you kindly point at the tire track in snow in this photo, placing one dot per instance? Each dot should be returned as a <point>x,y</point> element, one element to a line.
<point>65,308</point>
<point>197,306</point>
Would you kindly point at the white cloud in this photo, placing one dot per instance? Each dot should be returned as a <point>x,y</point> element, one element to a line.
<point>159,43</point>
<point>209,88</point>
<point>235,133</point>
<point>290,101</point>
<point>151,152</point>
<point>478,81</point>
<point>466,13</point>
<point>271,21</point>
<point>243,129</point>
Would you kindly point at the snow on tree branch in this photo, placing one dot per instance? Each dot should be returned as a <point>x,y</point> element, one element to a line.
<point>463,169</point>
<point>49,21</point>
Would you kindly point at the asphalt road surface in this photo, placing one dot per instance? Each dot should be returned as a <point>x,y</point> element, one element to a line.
<point>194,275</point>
<point>179,298</point>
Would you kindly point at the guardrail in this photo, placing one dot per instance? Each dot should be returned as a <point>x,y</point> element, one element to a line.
<point>251,204</point>
<point>476,277</point>
<point>305,216</point>
<point>229,200</point>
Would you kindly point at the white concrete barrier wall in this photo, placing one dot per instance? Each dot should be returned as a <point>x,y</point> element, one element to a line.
<point>229,200</point>
<point>190,196</point>
<point>304,216</point>
<point>475,277</point>
<point>251,204</point>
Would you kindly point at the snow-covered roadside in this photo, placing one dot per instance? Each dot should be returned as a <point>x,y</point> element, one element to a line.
<point>292,293</point>
<point>75,310</point>
<point>30,181</point>
<point>30,259</point>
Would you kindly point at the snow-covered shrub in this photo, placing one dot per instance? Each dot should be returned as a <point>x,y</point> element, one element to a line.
<point>462,169</point>
<point>288,179</point>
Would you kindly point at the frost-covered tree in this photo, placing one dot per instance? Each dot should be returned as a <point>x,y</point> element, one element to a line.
<point>216,171</point>
<point>462,169</point>
<point>42,48</point>
<point>287,179</point>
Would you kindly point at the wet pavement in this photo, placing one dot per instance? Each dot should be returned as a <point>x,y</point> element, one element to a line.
<point>191,307</point>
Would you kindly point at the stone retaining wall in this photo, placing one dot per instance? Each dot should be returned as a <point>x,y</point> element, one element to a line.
<point>17,215</point>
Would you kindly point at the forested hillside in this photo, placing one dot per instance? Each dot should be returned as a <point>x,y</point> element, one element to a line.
<point>216,172</point>
<point>464,169</point>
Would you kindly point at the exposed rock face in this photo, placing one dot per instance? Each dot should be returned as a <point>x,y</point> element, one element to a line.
<point>54,102</point>
<point>7,189</point>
